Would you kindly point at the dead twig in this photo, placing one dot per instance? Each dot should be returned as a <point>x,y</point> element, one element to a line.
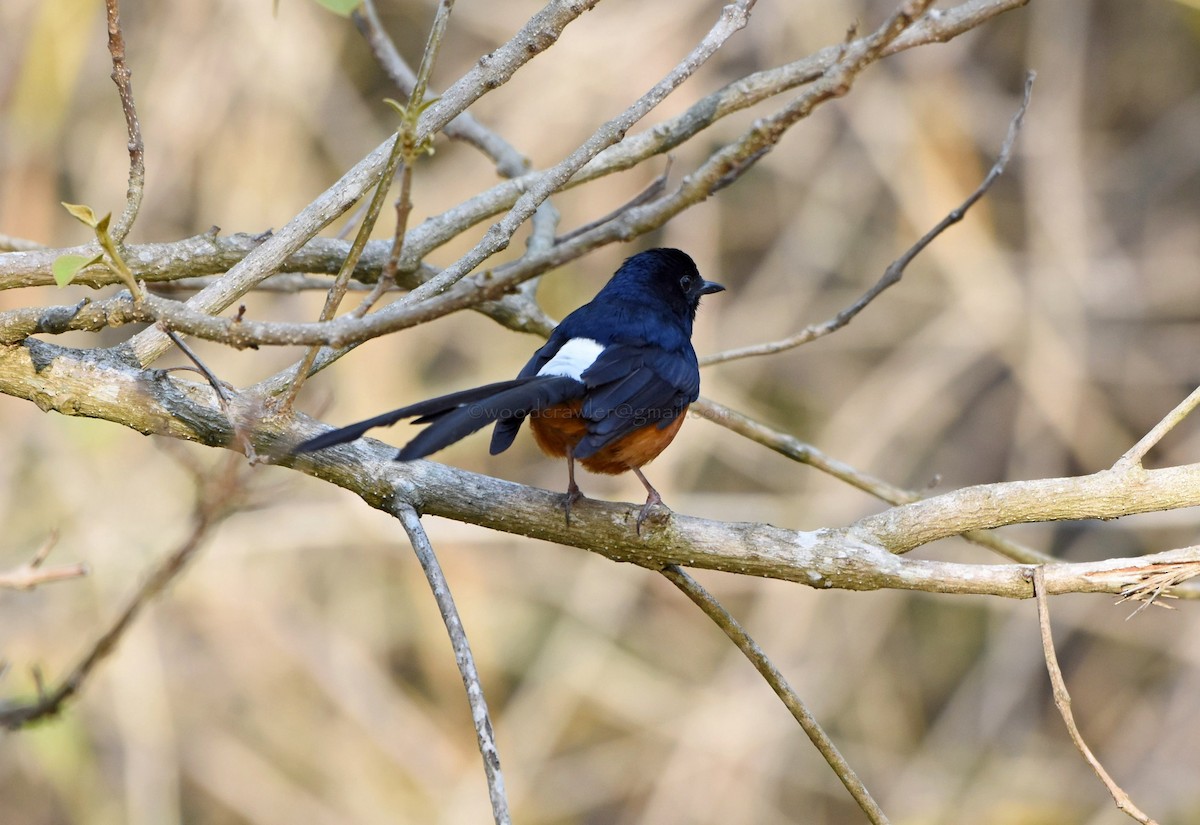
<point>1062,700</point>
<point>137,149</point>
<point>1138,451</point>
<point>218,501</point>
<point>239,430</point>
<point>1161,583</point>
<point>484,732</point>
<point>509,162</point>
<point>737,634</point>
<point>31,574</point>
<point>895,270</point>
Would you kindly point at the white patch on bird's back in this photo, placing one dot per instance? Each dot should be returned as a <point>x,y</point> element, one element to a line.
<point>573,358</point>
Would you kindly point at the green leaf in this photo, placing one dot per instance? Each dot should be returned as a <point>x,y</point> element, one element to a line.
<point>82,213</point>
<point>342,7</point>
<point>66,267</point>
<point>102,224</point>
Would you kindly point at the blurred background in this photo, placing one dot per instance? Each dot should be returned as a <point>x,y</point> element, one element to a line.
<point>299,673</point>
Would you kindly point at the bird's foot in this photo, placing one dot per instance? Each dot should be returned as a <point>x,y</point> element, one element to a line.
<point>653,502</point>
<point>573,495</point>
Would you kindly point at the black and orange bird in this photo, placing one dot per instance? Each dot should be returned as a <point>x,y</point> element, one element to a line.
<point>610,388</point>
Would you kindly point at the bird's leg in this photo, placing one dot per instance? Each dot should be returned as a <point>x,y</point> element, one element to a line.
<point>573,491</point>
<point>651,500</point>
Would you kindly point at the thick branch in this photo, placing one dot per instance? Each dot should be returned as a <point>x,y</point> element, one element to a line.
<point>102,384</point>
<point>1107,494</point>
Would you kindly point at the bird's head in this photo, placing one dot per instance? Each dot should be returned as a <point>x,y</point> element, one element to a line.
<point>666,275</point>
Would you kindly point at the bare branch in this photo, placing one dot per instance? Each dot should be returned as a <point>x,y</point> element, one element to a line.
<point>1062,700</point>
<point>492,71</point>
<point>779,683</point>
<point>1138,451</point>
<point>797,450</point>
<point>487,286</point>
<point>739,95</point>
<point>862,556</point>
<point>205,254</point>
<point>733,17</point>
<point>338,290</point>
<point>895,270</point>
<point>209,512</point>
<point>405,150</point>
<point>484,732</point>
<point>137,149</point>
<point>31,574</point>
<point>509,162</point>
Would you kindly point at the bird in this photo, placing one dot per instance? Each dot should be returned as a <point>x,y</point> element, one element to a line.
<point>610,387</point>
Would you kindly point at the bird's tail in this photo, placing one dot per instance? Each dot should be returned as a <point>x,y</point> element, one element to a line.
<point>457,415</point>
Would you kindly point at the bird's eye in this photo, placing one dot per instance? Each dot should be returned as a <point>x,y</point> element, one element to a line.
<point>686,282</point>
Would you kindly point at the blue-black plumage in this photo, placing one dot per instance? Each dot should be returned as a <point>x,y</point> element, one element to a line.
<point>609,387</point>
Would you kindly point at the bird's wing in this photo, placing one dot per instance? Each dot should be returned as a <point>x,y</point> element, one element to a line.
<point>631,386</point>
<point>563,355</point>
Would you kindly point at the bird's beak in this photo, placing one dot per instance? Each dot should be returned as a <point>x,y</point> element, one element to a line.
<point>710,287</point>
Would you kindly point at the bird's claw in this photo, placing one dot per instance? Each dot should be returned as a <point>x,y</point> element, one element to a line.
<point>573,495</point>
<point>652,503</point>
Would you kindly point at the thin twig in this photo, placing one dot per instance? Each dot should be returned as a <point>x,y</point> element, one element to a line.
<point>137,149</point>
<point>805,453</point>
<point>484,731</point>
<point>404,152</point>
<point>737,634</point>
<point>387,279</point>
<point>733,18</point>
<point>494,70</point>
<point>1138,451</point>
<point>1062,700</point>
<point>31,574</point>
<point>235,422</point>
<point>734,158</point>
<point>210,511</point>
<point>509,162</point>
<point>655,190</point>
<point>895,270</point>
<point>433,44</point>
<point>338,290</point>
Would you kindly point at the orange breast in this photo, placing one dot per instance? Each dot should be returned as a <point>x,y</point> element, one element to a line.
<point>560,427</point>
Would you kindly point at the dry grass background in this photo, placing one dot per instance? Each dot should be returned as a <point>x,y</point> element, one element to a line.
<point>298,673</point>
